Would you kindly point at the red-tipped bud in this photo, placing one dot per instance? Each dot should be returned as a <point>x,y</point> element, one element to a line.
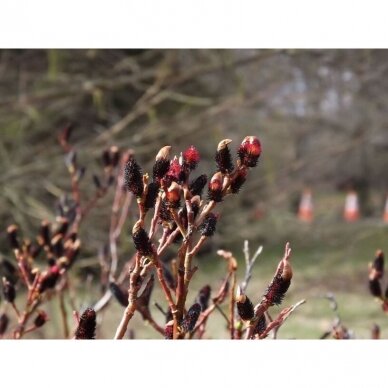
<point>133,178</point>
<point>249,151</point>
<point>141,240</point>
<point>174,172</point>
<point>40,319</point>
<point>208,226</point>
<point>215,188</point>
<point>223,157</point>
<point>87,325</point>
<point>173,195</point>
<point>191,157</point>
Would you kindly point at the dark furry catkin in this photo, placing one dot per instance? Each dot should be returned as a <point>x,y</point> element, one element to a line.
<point>87,325</point>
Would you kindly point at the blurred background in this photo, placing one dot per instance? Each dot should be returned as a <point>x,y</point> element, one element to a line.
<point>321,118</point>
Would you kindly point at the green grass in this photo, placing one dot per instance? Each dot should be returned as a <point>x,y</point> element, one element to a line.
<point>338,267</point>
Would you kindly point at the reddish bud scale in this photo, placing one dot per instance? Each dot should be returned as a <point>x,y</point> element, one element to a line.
<point>173,195</point>
<point>151,196</point>
<point>203,297</point>
<point>215,188</point>
<point>4,320</point>
<point>87,325</point>
<point>133,178</point>
<point>141,241</point>
<point>276,290</point>
<point>174,172</point>
<point>197,185</point>
<point>191,157</point>
<point>120,295</point>
<point>249,151</point>
<point>375,288</point>
<point>238,181</point>
<point>208,226</point>
<point>244,307</point>
<point>191,317</point>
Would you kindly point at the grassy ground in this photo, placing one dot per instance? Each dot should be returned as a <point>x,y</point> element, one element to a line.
<point>328,256</point>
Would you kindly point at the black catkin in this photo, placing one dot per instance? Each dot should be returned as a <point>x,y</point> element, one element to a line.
<point>191,317</point>
<point>208,226</point>
<point>4,321</point>
<point>375,288</point>
<point>203,297</point>
<point>9,291</point>
<point>133,178</point>
<point>151,196</point>
<point>141,241</point>
<point>160,169</point>
<point>120,295</point>
<point>197,185</point>
<point>87,325</point>
<point>244,308</point>
<point>224,160</point>
<point>276,290</point>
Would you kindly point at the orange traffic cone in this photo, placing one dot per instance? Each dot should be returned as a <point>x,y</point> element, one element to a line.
<point>385,215</point>
<point>305,212</point>
<point>351,211</point>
